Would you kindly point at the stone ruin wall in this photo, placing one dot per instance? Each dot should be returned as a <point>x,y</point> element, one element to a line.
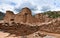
<point>25,16</point>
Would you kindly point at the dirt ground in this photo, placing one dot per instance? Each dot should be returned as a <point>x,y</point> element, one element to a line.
<point>5,35</point>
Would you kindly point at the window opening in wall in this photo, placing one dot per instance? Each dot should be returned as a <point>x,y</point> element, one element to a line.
<point>11,19</point>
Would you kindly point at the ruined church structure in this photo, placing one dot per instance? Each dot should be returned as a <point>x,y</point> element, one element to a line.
<point>24,16</point>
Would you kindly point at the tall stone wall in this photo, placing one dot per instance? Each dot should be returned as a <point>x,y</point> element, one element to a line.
<point>9,16</point>
<point>25,16</point>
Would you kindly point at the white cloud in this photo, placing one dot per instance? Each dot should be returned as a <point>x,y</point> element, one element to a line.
<point>5,7</point>
<point>39,4</point>
<point>45,8</point>
<point>26,4</point>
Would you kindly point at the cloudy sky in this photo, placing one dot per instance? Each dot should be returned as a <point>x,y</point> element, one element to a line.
<point>36,6</point>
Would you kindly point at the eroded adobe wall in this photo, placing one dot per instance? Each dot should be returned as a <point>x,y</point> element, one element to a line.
<point>8,16</point>
<point>24,16</point>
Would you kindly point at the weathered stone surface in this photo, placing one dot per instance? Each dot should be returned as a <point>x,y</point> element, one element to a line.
<point>42,18</point>
<point>25,16</point>
<point>8,16</point>
<point>25,11</point>
<point>24,29</point>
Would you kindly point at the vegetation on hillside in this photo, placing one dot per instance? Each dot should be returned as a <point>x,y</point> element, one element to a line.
<point>1,15</point>
<point>52,14</point>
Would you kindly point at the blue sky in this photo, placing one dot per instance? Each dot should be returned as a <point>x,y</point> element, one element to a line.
<point>37,6</point>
